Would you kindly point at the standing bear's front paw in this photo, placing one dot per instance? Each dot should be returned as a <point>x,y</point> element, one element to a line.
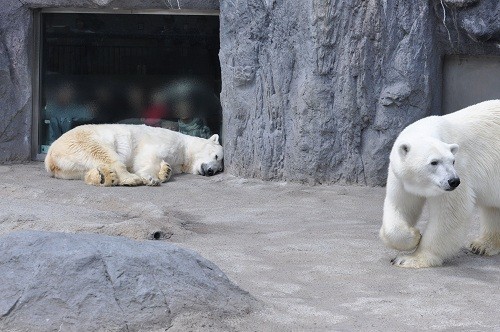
<point>165,171</point>
<point>416,260</point>
<point>401,238</point>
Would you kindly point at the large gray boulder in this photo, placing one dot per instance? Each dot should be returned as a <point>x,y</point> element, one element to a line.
<point>84,282</point>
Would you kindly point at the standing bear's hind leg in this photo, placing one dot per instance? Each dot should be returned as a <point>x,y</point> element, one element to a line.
<point>488,243</point>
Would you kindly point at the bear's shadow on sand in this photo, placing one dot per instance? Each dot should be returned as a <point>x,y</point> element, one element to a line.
<point>468,265</point>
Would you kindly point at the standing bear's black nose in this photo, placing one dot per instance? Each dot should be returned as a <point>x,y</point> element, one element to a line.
<point>454,182</point>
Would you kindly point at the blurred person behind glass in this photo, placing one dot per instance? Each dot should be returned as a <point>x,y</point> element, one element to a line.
<point>63,112</point>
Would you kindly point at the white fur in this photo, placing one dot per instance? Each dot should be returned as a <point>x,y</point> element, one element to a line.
<point>130,154</point>
<point>470,138</point>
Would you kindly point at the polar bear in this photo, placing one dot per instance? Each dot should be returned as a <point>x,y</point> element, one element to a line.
<point>452,163</point>
<point>131,155</point>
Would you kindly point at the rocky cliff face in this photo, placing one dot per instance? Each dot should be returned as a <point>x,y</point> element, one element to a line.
<point>328,86</point>
<point>15,82</point>
<point>313,91</point>
<point>479,20</point>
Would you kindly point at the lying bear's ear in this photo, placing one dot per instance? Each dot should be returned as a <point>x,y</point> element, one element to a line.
<point>214,138</point>
<point>453,148</point>
<point>404,149</point>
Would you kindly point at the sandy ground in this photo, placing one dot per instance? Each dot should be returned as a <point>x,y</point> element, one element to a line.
<point>311,255</point>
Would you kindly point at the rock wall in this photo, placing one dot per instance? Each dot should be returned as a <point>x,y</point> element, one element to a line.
<point>468,27</point>
<point>479,20</point>
<point>313,91</point>
<point>317,91</point>
<point>15,82</point>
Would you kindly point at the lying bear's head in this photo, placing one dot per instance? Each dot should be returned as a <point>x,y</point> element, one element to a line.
<point>425,165</point>
<point>207,156</point>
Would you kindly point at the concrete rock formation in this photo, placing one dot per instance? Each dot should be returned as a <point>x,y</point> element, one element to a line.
<point>479,19</point>
<point>67,282</point>
<point>313,91</point>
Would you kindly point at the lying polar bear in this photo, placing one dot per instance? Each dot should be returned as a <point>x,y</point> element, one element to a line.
<point>131,155</point>
<point>452,163</point>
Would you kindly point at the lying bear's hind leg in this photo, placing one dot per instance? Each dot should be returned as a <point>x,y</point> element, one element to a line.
<point>488,243</point>
<point>101,176</point>
<point>125,178</point>
<point>152,170</point>
<point>106,176</point>
<point>105,167</point>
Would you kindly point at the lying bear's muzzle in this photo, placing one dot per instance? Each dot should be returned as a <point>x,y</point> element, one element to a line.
<point>207,170</point>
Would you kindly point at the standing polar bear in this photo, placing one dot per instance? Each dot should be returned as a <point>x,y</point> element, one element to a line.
<point>452,162</point>
<point>131,155</point>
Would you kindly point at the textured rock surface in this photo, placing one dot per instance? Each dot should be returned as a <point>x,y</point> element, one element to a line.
<point>15,82</point>
<point>350,75</point>
<point>66,282</point>
<point>478,19</point>
<point>313,91</point>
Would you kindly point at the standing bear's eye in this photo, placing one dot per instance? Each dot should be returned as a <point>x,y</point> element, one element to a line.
<point>216,157</point>
<point>434,162</point>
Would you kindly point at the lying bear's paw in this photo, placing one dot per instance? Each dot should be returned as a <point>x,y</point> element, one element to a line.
<point>131,180</point>
<point>165,171</point>
<point>416,261</point>
<point>151,181</point>
<point>108,176</point>
<point>101,176</point>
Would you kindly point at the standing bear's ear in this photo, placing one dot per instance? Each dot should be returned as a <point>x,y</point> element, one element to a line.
<point>453,148</point>
<point>404,149</point>
<point>214,138</point>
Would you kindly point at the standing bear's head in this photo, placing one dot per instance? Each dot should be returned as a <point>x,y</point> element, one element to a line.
<point>425,165</point>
